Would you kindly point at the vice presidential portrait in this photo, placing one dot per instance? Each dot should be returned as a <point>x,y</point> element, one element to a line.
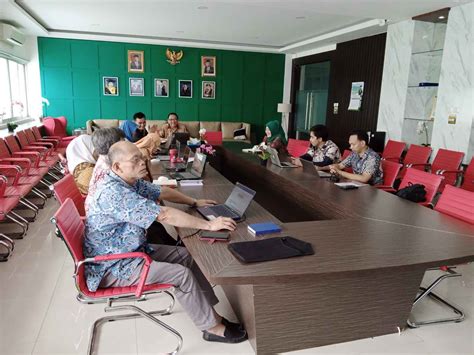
<point>137,87</point>
<point>110,86</point>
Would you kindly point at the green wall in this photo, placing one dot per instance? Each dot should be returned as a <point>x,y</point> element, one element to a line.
<point>249,85</point>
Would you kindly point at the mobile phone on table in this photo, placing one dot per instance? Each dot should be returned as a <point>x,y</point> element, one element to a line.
<point>219,236</point>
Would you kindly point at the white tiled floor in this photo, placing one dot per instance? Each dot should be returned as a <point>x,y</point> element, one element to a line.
<point>40,315</point>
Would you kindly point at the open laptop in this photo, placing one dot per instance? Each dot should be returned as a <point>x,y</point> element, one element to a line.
<point>196,171</point>
<point>165,148</point>
<point>275,159</point>
<point>234,207</point>
<point>182,155</point>
<point>308,167</point>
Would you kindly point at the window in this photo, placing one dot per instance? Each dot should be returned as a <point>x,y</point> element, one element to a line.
<point>13,100</point>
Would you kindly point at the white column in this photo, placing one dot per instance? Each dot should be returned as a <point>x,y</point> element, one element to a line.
<point>396,70</point>
<point>456,92</point>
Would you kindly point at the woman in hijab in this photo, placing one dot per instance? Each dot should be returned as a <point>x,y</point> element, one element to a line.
<point>275,136</point>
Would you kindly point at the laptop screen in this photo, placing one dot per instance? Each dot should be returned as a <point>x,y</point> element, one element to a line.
<point>240,198</point>
<point>198,164</point>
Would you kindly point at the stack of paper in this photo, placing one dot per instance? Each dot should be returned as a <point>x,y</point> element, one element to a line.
<point>164,181</point>
<point>191,183</point>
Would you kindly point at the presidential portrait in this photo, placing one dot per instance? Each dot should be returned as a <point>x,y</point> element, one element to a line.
<point>137,87</point>
<point>208,90</point>
<point>185,88</point>
<point>162,88</point>
<point>135,61</point>
<point>110,84</point>
<point>208,66</point>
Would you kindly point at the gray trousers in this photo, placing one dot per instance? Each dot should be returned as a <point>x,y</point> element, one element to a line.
<point>173,265</point>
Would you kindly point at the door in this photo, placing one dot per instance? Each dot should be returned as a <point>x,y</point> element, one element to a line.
<point>311,97</point>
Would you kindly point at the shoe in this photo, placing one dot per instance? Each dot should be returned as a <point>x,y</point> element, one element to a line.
<point>231,336</point>
<point>230,324</point>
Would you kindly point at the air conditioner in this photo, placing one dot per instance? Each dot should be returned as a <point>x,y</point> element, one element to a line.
<point>12,35</point>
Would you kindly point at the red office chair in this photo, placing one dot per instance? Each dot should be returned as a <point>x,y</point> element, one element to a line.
<point>297,147</point>
<point>8,245</point>
<point>457,203</point>
<point>345,154</point>
<point>69,223</point>
<point>390,173</point>
<point>417,157</point>
<point>7,204</point>
<point>393,151</point>
<point>214,138</point>
<point>67,188</point>
<point>468,177</point>
<point>430,181</point>
<point>447,163</point>
<point>56,127</point>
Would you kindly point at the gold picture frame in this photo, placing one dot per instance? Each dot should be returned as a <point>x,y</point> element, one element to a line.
<point>136,61</point>
<point>208,66</point>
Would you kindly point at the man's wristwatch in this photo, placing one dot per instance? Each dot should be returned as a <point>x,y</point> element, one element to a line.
<point>195,203</point>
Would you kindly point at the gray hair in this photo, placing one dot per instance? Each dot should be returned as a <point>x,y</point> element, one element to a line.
<point>117,151</point>
<point>104,138</point>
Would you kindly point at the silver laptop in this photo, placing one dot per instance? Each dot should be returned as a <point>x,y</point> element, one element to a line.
<point>234,207</point>
<point>275,159</point>
<point>308,167</point>
<point>196,171</point>
<point>182,155</point>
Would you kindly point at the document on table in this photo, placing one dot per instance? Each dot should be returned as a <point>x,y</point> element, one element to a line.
<point>191,183</point>
<point>350,183</point>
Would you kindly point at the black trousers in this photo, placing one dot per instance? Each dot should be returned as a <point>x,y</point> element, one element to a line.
<point>157,234</point>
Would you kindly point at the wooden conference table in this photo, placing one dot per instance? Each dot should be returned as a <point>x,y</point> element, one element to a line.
<point>371,252</point>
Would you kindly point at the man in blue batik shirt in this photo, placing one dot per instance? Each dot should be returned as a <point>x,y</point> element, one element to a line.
<point>364,161</point>
<point>136,129</point>
<point>121,210</point>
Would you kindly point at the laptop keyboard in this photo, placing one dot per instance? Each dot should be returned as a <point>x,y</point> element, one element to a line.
<point>221,210</point>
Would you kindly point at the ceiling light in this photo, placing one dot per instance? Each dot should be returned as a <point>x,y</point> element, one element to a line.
<point>300,17</point>
<point>202,7</point>
<point>179,31</point>
<point>441,17</point>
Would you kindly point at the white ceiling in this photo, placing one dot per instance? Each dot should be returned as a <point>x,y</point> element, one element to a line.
<point>271,24</point>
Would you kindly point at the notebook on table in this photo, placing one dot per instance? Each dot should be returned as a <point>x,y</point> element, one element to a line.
<point>275,159</point>
<point>309,168</point>
<point>234,207</point>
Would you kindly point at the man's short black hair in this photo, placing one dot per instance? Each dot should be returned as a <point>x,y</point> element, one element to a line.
<point>174,114</point>
<point>361,135</point>
<point>320,131</point>
<point>139,115</point>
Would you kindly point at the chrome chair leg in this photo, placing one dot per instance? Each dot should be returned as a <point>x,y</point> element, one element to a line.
<point>428,292</point>
<point>138,312</point>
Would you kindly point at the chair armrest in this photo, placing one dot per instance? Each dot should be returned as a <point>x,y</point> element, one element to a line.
<point>425,165</point>
<point>49,140</point>
<point>48,145</point>
<point>443,172</point>
<point>11,170</point>
<point>144,272</point>
<point>24,163</point>
<point>8,241</point>
<point>394,159</point>
<point>34,157</point>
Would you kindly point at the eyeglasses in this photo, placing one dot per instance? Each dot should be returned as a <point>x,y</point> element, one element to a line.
<point>135,160</point>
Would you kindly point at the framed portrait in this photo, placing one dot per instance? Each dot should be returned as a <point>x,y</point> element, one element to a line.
<point>208,66</point>
<point>110,86</point>
<point>136,61</point>
<point>162,88</point>
<point>185,89</point>
<point>136,86</point>
<point>208,90</point>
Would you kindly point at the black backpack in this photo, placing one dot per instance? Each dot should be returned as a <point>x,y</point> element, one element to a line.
<point>413,192</point>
